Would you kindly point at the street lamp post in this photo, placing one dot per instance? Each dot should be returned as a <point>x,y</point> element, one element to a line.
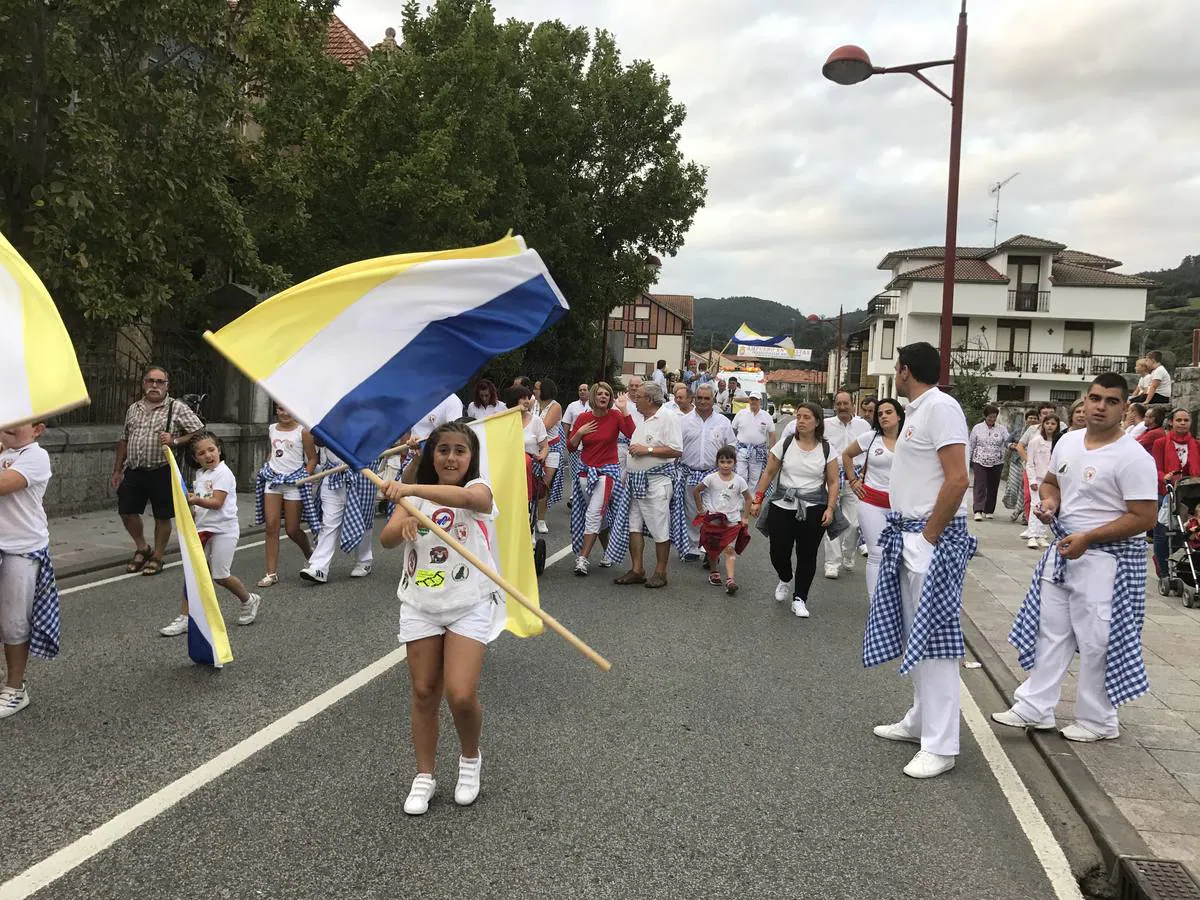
<point>851,65</point>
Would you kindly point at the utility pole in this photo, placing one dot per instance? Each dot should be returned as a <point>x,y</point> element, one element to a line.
<point>837,372</point>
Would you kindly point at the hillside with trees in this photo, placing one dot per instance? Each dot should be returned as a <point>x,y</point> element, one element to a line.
<point>717,318</point>
<point>1172,311</point>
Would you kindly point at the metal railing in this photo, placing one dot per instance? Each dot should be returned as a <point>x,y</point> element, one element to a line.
<point>1028,301</point>
<point>883,305</point>
<point>1007,362</point>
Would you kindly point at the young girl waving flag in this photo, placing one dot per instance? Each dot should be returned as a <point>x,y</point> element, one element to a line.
<point>449,611</point>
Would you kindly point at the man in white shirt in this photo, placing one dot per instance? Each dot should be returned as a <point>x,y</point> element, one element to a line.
<point>705,431</point>
<point>925,549</point>
<point>755,435</point>
<point>659,376</point>
<point>1089,590</point>
<point>841,430</point>
<point>653,448</point>
<point>632,384</point>
<point>681,400</point>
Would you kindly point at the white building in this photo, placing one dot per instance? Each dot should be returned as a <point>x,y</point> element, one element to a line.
<point>651,327</point>
<point>1038,320</point>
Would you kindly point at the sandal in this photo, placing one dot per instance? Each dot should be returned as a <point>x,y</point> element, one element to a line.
<point>153,566</point>
<point>268,580</point>
<point>715,579</point>
<point>138,560</point>
<point>731,587</point>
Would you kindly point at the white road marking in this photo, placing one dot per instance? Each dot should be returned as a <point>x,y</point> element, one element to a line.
<point>78,852</point>
<point>561,554</point>
<point>1041,838</point>
<point>103,581</point>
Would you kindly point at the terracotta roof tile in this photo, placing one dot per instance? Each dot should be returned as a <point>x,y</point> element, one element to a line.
<point>932,252</point>
<point>1067,275</point>
<point>343,44</point>
<point>1028,242</point>
<point>683,305</point>
<point>795,376</point>
<point>1079,258</point>
<point>967,270</point>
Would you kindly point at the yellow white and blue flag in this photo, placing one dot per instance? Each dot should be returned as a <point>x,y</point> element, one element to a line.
<point>751,338</point>
<point>362,352</point>
<point>502,465</point>
<point>38,369</point>
<point>208,642</point>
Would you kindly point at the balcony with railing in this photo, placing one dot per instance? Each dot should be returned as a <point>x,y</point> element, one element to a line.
<point>1028,301</point>
<point>883,305</point>
<point>1009,363</point>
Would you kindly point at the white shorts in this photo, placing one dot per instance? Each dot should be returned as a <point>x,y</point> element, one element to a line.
<point>288,491</point>
<point>18,580</point>
<point>482,622</point>
<point>220,549</point>
<point>553,460</point>
<point>653,511</point>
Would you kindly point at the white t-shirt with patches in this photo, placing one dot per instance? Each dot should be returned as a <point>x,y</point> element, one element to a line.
<point>721,496</point>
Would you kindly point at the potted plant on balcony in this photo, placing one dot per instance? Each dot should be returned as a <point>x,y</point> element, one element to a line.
<point>1061,369</point>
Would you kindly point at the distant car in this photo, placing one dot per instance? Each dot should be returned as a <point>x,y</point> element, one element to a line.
<point>787,409</point>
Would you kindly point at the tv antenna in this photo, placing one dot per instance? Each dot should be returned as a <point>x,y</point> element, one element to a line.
<point>995,219</point>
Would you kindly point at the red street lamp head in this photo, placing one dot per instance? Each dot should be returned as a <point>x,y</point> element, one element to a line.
<point>848,65</point>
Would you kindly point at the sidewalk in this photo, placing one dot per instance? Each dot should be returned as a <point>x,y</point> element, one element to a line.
<point>1152,772</point>
<point>92,541</point>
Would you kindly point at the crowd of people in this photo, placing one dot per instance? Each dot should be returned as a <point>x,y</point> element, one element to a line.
<point>690,478</point>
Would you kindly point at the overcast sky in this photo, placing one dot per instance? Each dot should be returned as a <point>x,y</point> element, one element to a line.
<point>1096,103</point>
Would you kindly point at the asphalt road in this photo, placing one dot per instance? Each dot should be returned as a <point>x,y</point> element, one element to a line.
<point>727,753</point>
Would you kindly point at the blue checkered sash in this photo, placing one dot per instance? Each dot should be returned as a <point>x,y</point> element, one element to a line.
<point>358,516</point>
<point>937,628</point>
<point>638,483</point>
<point>617,509</point>
<point>1125,675</point>
<point>559,443</point>
<point>687,480</point>
<point>46,622</point>
<point>268,476</point>
<point>756,452</point>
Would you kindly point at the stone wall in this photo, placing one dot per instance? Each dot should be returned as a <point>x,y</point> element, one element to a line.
<point>81,457</point>
<point>1185,391</point>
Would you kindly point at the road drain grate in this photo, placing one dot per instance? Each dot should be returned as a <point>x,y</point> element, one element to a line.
<point>1154,879</point>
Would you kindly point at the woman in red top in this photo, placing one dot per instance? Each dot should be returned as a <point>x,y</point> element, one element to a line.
<point>596,430</point>
<point>1176,455</point>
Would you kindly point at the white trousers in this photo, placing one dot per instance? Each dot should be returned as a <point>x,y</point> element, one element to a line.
<point>595,508</point>
<point>1075,616</point>
<point>18,582</point>
<point>872,519</point>
<point>841,549</point>
<point>935,709</point>
<point>333,510</point>
<point>689,505</point>
<point>749,468</point>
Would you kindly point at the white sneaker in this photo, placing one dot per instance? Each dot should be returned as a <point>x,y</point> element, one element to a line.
<point>13,700</point>
<point>831,573</point>
<point>250,610</point>
<point>581,566</point>
<point>896,732</point>
<point>1025,535</point>
<point>419,795</point>
<point>467,789</point>
<point>978,517</point>
<point>1032,543</point>
<point>1085,735</point>
<point>799,609</point>
<point>177,627</point>
<point>928,765</point>
<point>1043,544</point>
<point>1015,720</point>
<point>989,515</point>
<point>542,527</point>
<point>606,563</point>
<point>848,565</point>
<point>362,570</point>
<point>317,576</point>
<point>863,551</point>
<point>783,590</point>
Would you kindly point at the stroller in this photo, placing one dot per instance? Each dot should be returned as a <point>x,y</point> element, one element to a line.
<point>537,488</point>
<point>1180,577</point>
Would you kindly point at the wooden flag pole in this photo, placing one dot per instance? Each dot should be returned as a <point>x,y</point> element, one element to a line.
<point>317,476</point>
<point>500,582</point>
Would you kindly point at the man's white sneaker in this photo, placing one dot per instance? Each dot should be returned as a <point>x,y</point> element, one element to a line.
<point>848,564</point>
<point>250,610</point>
<point>864,551</point>
<point>419,795</point>
<point>1085,735</point>
<point>1013,719</point>
<point>467,789</point>
<point>1025,535</point>
<point>177,627</point>
<point>928,765</point>
<point>362,570</point>
<point>542,527</point>
<point>895,732</point>
<point>317,576</point>
<point>606,563</point>
<point>581,566</point>
<point>13,700</point>
<point>799,609</point>
<point>783,590</point>
<point>1043,544</point>
<point>989,515</point>
<point>1032,543</point>
<point>978,517</point>
<point>832,573</point>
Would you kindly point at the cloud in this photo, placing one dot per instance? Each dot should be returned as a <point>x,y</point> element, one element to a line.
<point>810,183</point>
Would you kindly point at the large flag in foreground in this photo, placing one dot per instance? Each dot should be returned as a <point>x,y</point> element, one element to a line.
<point>208,643</point>
<point>360,353</point>
<point>38,369</point>
<point>502,463</point>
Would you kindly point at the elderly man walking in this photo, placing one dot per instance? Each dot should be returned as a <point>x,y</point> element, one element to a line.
<point>755,432</point>
<point>653,448</point>
<point>140,473</point>
<point>705,431</point>
<point>925,548</point>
